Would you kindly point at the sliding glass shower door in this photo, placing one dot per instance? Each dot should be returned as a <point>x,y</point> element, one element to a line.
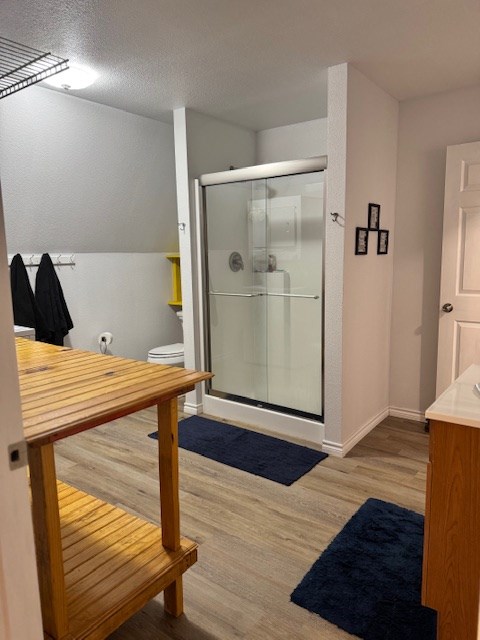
<point>264,282</point>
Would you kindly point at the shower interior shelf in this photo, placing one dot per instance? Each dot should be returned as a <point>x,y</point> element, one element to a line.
<point>21,66</point>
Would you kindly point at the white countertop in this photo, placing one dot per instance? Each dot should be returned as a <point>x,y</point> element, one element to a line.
<point>460,403</point>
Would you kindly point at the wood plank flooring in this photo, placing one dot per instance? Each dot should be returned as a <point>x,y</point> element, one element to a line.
<point>256,538</point>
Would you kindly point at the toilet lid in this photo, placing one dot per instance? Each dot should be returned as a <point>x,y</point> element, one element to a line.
<point>167,350</point>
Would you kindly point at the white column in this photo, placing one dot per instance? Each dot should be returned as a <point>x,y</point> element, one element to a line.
<point>334,255</point>
<point>187,243</point>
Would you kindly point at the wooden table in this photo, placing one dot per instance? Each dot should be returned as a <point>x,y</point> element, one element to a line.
<point>97,564</point>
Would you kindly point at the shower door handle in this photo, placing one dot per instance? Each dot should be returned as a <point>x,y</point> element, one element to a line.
<point>256,295</point>
<point>293,295</point>
<point>235,295</point>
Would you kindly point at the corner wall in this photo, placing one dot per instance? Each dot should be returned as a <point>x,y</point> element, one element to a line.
<point>426,127</point>
<point>292,142</point>
<point>372,131</point>
<point>362,155</point>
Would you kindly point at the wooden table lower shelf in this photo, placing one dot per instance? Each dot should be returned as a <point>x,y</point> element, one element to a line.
<point>114,562</point>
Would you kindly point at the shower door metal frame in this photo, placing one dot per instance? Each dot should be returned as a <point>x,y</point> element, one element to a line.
<point>317,164</point>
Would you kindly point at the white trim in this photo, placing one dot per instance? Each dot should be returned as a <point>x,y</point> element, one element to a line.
<point>19,591</point>
<point>340,450</point>
<point>274,421</point>
<point>192,409</point>
<point>332,448</point>
<point>407,414</point>
<point>335,248</point>
<point>186,239</point>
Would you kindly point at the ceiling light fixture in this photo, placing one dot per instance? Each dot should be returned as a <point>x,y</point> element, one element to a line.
<point>73,78</point>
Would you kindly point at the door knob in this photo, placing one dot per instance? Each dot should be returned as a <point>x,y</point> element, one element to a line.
<point>447,307</point>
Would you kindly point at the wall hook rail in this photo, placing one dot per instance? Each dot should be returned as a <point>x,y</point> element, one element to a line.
<point>58,259</point>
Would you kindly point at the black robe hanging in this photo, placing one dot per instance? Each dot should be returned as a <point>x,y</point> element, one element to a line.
<point>25,309</point>
<point>51,302</point>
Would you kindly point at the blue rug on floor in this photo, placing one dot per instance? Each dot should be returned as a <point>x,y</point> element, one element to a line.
<point>271,458</point>
<point>368,580</point>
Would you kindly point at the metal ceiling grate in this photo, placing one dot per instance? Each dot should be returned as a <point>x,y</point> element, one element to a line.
<point>22,66</point>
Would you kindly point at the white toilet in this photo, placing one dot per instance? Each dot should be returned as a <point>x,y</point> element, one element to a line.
<point>171,354</point>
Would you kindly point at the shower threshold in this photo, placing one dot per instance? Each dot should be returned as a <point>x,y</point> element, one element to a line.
<point>279,421</point>
<point>260,404</point>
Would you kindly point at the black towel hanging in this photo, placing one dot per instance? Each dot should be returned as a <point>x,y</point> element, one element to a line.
<point>25,309</point>
<point>51,302</point>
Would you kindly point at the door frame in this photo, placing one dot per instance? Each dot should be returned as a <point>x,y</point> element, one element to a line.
<point>18,570</point>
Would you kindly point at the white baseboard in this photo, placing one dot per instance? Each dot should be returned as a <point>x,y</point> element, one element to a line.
<point>340,449</point>
<point>192,409</point>
<point>293,426</point>
<point>407,414</point>
<point>332,448</point>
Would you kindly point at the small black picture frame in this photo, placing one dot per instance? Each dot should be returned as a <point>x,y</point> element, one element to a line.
<point>382,242</point>
<point>373,216</point>
<point>361,241</point>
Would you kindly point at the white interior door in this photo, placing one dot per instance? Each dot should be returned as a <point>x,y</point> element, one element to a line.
<point>459,323</point>
<point>20,615</point>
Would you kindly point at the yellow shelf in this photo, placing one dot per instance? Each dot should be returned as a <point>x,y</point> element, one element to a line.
<point>176,300</point>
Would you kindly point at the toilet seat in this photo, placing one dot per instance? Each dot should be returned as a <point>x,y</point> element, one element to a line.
<point>167,351</point>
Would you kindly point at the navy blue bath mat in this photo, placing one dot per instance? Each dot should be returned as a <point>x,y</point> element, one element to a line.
<point>256,453</point>
<point>368,580</point>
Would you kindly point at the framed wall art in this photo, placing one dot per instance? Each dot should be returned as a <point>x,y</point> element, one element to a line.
<point>361,241</point>
<point>373,216</point>
<point>382,242</point>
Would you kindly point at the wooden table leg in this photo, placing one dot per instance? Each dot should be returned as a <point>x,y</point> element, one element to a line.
<point>48,541</point>
<point>169,495</point>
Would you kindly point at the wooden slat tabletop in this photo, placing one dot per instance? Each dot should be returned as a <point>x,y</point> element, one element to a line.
<point>65,391</point>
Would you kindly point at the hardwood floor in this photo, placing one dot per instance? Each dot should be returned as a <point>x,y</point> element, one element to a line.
<point>257,538</point>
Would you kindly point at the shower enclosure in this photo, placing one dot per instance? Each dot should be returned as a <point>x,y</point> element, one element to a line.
<point>263,256</point>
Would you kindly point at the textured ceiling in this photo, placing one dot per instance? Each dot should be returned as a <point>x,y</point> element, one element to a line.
<point>258,63</point>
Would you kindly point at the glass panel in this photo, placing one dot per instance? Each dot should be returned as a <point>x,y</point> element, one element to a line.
<point>236,249</point>
<point>265,291</point>
<point>294,284</point>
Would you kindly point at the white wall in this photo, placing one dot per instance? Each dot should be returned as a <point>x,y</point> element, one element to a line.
<point>97,182</point>
<point>124,293</point>
<point>362,152</point>
<point>292,142</point>
<point>83,177</point>
<point>202,145</point>
<point>372,130</point>
<point>426,127</point>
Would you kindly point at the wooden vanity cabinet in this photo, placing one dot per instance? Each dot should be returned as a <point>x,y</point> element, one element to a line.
<point>451,562</point>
